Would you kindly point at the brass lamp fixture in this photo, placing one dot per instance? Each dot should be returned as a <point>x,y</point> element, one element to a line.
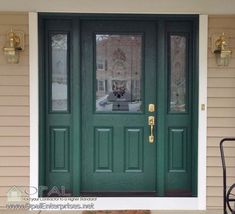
<point>222,53</point>
<point>14,45</point>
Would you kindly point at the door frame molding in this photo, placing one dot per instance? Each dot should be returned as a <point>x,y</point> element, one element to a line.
<point>155,203</point>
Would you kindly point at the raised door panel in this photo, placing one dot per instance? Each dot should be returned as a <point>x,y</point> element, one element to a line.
<point>103,150</point>
<point>134,149</point>
<point>59,149</point>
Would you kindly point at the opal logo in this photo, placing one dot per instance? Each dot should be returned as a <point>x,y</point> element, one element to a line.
<point>14,194</point>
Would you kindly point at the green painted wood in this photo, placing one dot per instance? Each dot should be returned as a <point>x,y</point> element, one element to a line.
<point>134,150</point>
<point>57,124</point>
<point>161,108</point>
<point>126,160</point>
<point>195,104</point>
<point>103,157</point>
<point>76,107</point>
<point>110,152</point>
<point>179,125</point>
<point>59,150</point>
<point>177,149</point>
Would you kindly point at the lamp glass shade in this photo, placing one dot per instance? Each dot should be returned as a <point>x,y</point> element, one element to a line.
<point>12,56</point>
<point>222,58</point>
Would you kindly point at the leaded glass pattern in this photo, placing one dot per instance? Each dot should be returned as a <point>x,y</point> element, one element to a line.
<point>178,73</point>
<point>118,73</point>
<point>59,55</point>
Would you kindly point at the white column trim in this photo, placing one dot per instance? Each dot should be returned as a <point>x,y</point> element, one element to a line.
<point>34,101</point>
<point>202,114</point>
<point>196,203</point>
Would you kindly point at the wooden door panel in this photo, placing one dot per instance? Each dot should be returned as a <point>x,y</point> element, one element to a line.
<point>179,122</point>
<point>103,146</point>
<point>55,91</point>
<point>94,132</point>
<point>134,147</point>
<point>118,156</point>
<point>59,150</point>
<point>178,149</point>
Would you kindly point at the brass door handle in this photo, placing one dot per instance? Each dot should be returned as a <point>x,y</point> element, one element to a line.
<point>151,123</point>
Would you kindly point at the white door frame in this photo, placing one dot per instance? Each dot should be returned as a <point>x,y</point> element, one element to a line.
<point>152,203</point>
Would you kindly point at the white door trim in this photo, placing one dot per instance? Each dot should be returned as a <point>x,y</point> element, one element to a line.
<point>158,203</point>
<point>34,101</point>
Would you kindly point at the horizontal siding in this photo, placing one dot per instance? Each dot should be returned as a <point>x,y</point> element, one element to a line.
<point>14,171</point>
<point>9,181</point>
<point>14,151</point>
<point>215,82</point>
<point>14,80</point>
<point>221,72</point>
<point>14,131</point>
<point>215,152</point>
<point>221,92</point>
<point>221,122</point>
<point>217,132</point>
<point>214,142</point>
<point>14,90</point>
<point>11,141</point>
<point>213,161</point>
<point>215,191</point>
<point>15,121</point>
<point>217,181</point>
<point>214,202</point>
<point>16,70</point>
<point>9,19</point>
<point>221,113</point>
<point>222,102</point>
<point>14,101</point>
<point>217,171</point>
<point>14,111</point>
<point>14,161</point>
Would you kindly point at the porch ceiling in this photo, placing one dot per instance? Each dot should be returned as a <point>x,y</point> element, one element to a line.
<point>122,6</point>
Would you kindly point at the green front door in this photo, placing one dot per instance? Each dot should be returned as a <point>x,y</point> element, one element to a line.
<point>119,81</point>
<point>118,105</point>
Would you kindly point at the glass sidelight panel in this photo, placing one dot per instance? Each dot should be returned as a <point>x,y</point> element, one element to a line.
<point>118,73</point>
<point>178,63</point>
<point>59,73</point>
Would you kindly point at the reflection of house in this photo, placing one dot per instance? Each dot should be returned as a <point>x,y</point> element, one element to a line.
<point>118,63</point>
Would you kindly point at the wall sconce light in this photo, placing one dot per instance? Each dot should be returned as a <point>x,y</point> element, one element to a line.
<point>14,45</point>
<point>222,53</point>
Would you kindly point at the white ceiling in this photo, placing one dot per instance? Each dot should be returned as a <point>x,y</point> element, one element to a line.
<point>121,6</point>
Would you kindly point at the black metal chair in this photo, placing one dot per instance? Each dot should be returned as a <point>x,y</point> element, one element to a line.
<point>229,196</point>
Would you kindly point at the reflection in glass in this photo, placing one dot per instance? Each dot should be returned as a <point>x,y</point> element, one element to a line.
<point>59,72</point>
<point>177,73</point>
<point>118,72</point>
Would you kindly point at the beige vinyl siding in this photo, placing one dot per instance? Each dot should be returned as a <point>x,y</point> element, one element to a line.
<point>14,110</point>
<point>221,112</point>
